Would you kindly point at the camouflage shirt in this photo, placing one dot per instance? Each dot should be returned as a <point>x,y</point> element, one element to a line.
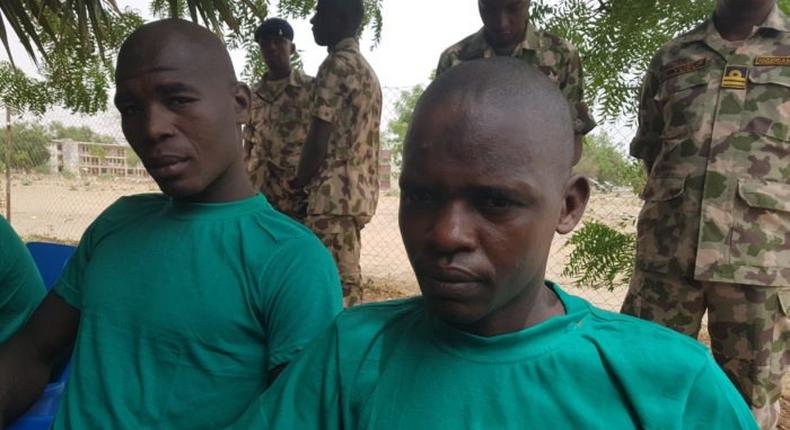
<point>555,57</point>
<point>347,95</point>
<point>279,122</point>
<point>714,129</point>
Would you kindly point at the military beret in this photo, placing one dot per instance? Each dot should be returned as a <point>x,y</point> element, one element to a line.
<point>274,27</point>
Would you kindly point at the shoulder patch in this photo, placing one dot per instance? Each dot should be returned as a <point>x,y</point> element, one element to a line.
<point>671,72</point>
<point>782,60</point>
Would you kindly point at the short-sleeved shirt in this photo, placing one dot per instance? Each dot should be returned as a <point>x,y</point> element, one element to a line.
<point>21,287</point>
<point>279,122</point>
<point>185,308</point>
<point>552,55</point>
<point>348,96</point>
<point>714,125</point>
<point>394,366</point>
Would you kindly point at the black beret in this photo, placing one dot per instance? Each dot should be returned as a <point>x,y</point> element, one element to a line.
<point>274,27</point>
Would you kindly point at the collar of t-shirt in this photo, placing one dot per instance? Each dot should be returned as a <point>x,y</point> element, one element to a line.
<point>187,210</point>
<point>526,344</point>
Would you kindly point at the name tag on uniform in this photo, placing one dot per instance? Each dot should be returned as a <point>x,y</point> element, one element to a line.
<point>671,72</point>
<point>782,60</point>
<point>735,77</point>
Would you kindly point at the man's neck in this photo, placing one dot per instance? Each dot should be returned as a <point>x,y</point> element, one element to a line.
<point>737,24</point>
<point>534,306</point>
<point>507,50</point>
<point>331,46</point>
<point>233,185</point>
<point>276,75</point>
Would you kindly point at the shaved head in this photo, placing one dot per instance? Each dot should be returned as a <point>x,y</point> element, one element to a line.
<point>508,91</point>
<point>176,41</point>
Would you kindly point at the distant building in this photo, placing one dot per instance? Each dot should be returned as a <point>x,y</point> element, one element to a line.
<point>86,158</point>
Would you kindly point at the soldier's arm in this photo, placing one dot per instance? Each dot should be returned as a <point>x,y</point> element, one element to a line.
<point>313,153</point>
<point>27,358</point>
<point>573,88</point>
<point>647,141</point>
<point>330,93</point>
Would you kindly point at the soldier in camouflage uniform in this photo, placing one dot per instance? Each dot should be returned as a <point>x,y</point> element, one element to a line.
<point>506,31</point>
<point>339,165</point>
<point>714,232</point>
<point>279,118</point>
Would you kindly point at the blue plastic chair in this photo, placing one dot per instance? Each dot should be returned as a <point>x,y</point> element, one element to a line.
<point>50,259</point>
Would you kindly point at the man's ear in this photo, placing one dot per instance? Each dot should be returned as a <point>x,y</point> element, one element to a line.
<point>577,193</point>
<point>293,49</point>
<point>242,98</point>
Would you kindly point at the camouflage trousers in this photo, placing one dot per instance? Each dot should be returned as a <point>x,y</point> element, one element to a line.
<point>341,235</point>
<point>748,325</point>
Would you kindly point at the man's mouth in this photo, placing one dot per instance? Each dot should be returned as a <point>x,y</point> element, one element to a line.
<point>167,166</point>
<point>449,282</point>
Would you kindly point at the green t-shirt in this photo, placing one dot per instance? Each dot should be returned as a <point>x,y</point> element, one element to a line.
<point>393,366</point>
<point>184,308</point>
<point>21,287</point>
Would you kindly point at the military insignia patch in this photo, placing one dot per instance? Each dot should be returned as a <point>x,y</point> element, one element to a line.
<point>671,72</point>
<point>735,77</point>
<point>783,60</point>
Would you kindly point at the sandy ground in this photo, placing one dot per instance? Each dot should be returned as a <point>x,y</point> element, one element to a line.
<point>59,209</point>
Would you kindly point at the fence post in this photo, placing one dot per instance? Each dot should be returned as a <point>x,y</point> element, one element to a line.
<point>8,164</point>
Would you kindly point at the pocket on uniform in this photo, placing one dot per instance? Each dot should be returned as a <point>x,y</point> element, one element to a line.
<point>682,98</point>
<point>761,227</point>
<point>767,99</point>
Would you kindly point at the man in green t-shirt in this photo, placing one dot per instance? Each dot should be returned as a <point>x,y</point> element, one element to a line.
<point>183,306</point>
<point>21,287</point>
<point>491,344</point>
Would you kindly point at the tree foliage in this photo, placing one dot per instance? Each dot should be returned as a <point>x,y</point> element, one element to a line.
<point>28,146</point>
<point>602,256</point>
<point>57,130</point>
<point>399,125</point>
<point>604,162</point>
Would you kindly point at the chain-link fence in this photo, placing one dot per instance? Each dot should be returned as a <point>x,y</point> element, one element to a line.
<point>65,169</point>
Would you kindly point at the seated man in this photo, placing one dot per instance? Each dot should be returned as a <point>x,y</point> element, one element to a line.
<point>21,287</point>
<point>486,183</point>
<point>183,305</point>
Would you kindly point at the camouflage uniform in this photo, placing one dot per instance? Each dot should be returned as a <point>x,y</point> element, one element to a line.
<point>555,57</point>
<point>342,198</point>
<point>715,227</point>
<point>279,122</point>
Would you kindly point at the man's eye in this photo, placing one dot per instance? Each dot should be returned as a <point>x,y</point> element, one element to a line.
<point>497,203</point>
<point>128,110</point>
<point>419,196</point>
<point>179,101</point>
